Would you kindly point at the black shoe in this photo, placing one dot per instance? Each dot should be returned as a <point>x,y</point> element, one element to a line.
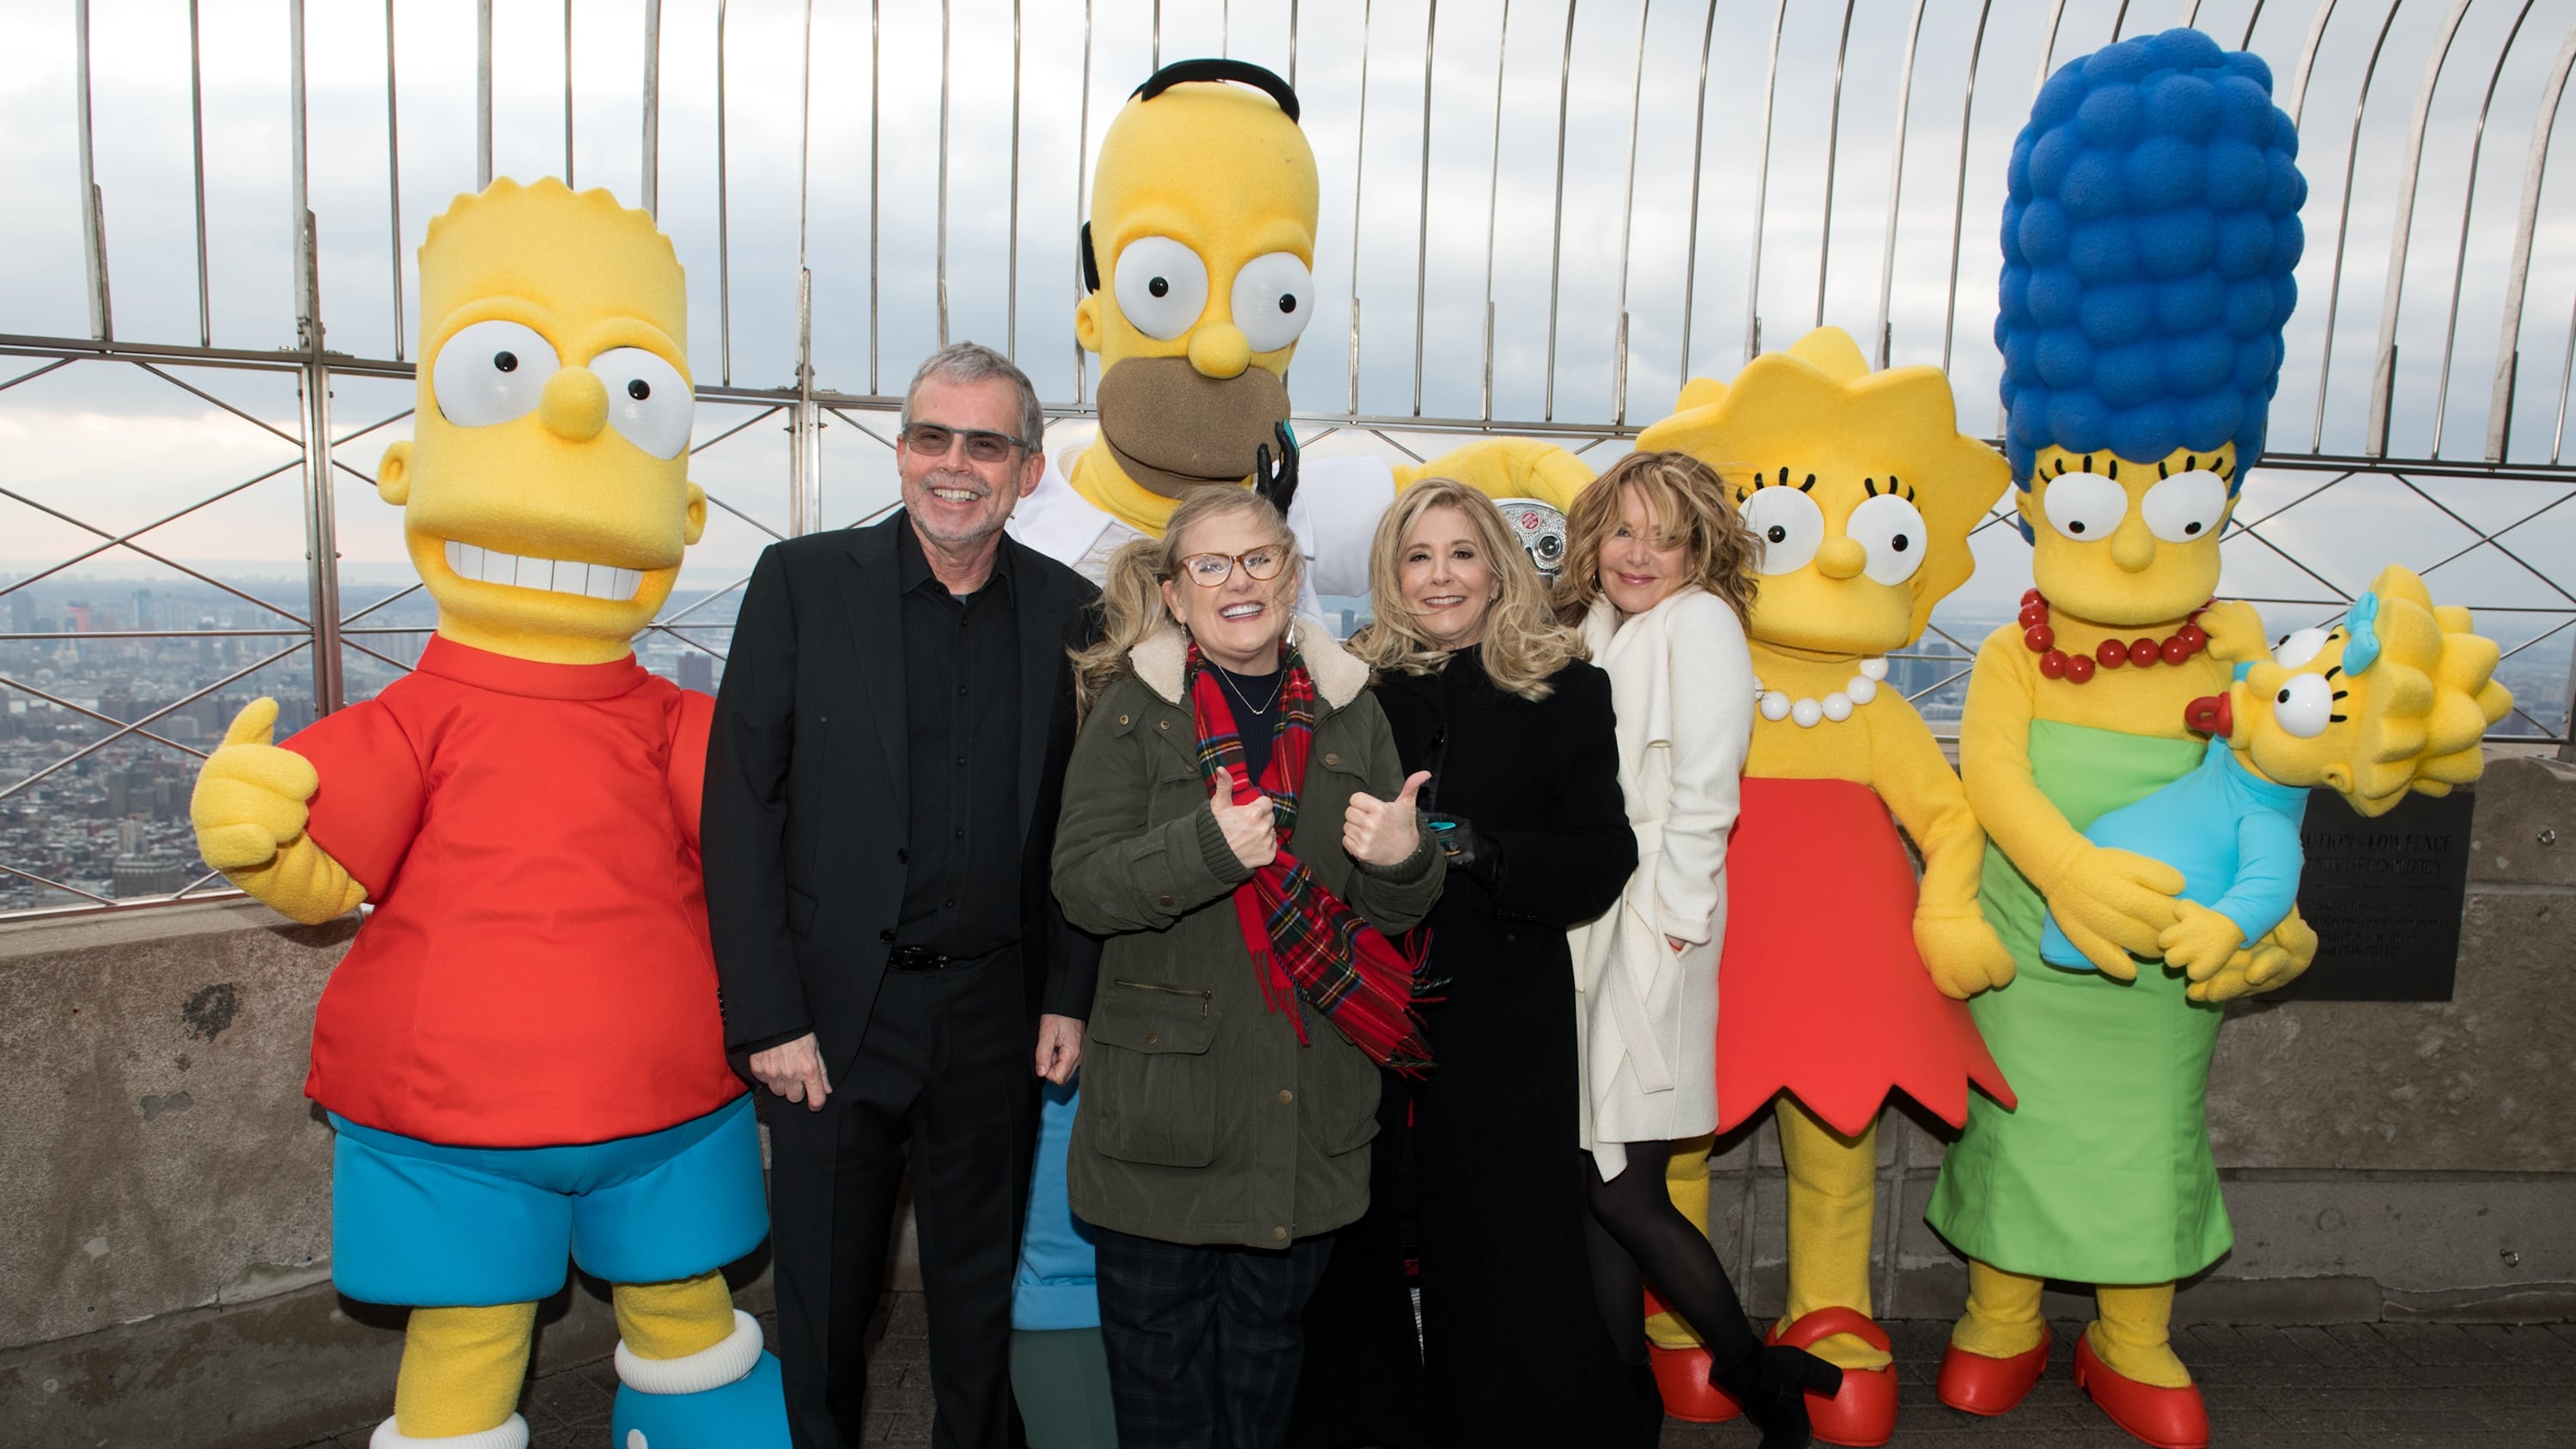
<point>1773,1385</point>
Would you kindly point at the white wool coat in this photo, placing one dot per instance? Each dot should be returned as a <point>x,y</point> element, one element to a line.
<point>1682,682</point>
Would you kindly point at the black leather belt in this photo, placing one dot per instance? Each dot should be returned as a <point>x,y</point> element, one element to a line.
<point>922,958</point>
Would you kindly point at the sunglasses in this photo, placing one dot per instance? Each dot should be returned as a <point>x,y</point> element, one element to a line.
<point>931,440</point>
<point>1211,570</point>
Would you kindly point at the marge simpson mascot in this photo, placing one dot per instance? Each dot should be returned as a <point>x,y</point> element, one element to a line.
<point>522,1053</point>
<point>1199,255</point>
<point>2393,697</point>
<point>1841,981</point>
<point>2150,228</point>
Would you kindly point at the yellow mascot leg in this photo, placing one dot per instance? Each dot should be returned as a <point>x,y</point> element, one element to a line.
<point>2132,1336</point>
<point>2003,1319</point>
<point>1833,1189</point>
<point>674,1320</point>
<point>462,1368</point>
<point>1686,1182</point>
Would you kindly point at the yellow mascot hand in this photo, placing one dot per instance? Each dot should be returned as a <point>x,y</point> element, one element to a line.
<point>1507,468</point>
<point>1962,953</point>
<point>2111,903</point>
<point>2200,940</point>
<point>2268,965</point>
<point>249,812</point>
<point>2235,631</point>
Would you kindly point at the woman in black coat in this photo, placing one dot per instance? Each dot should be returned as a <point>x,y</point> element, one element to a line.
<point>1493,698</point>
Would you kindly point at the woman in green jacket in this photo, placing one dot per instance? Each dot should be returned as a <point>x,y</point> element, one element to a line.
<point>1236,824</point>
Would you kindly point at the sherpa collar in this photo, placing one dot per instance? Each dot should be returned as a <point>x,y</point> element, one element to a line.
<point>1338,674</point>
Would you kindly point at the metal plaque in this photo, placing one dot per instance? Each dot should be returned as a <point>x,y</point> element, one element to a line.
<point>2385,897</point>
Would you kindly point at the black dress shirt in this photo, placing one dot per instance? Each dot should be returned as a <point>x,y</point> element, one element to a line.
<point>961,670</point>
<point>1254,698</point>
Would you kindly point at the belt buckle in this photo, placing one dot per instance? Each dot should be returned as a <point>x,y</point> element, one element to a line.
<point>917,958</point>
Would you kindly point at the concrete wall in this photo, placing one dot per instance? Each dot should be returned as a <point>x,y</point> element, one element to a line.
<point>164,1214</point>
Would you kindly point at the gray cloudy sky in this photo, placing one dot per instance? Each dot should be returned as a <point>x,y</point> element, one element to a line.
<point>120,447</point>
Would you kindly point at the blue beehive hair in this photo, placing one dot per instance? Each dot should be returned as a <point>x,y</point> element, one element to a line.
<point>2150,227</point>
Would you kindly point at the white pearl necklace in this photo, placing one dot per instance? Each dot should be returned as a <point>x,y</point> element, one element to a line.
<point>1836,706</point>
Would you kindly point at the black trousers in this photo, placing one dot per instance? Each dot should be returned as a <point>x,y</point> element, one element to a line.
<point>942,1084</point>
<point>1204,1340</point>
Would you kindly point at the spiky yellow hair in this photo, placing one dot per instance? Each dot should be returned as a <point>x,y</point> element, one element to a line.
<point>2431,697</point>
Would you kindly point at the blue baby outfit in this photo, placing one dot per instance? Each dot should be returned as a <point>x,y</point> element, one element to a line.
<point>1055,1287</point>
<point>2234,837</point>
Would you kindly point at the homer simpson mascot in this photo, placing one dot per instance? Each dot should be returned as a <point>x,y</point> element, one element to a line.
<point>522,1054</point>
<point>1198,255</point>
<point>2149,232</point>
<point>1841,980</point>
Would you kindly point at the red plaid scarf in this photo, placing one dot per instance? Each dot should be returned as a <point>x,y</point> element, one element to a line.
<point>1307,946</point>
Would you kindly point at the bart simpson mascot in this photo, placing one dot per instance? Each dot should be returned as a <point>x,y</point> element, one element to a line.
<point>1198,255</point>
<point>1841,981</point>
<point>2149,234</point>
<point>522,1053</point>
<point>2394,697</point>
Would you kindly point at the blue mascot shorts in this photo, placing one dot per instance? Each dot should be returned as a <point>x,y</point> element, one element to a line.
<point>416,1223</point>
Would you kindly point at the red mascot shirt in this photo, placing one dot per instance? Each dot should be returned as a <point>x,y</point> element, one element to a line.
<point>536,971</point>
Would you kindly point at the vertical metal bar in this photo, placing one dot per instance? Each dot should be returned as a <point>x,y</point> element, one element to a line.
<point>93,201</point>
<point>1082,180</point>
<point>2566,370</point>
<point>2048,48</point>
<point>197,140</point>
<point>1762,187</point>
<point>568,181</point>
<point>946,28</point>
<point>876,128</point>
<point>2119,18</point>
<point>321,535</point>
<point>2246,41</point>
<point>724,219</point>
<point>1556,228</point>
<point>2468,203</point>
<point>1699,146</point>
<point>1493,199</point>
<point>1627,224</point>
<point>2190,13</point>
<point>652,178</point>
<point>2567,721</point>
<point>1422,217</point>
<point>1292,36</point>
<point>1959,191</point>
<point>393,175</point>
<point>2402,227</point>
<point>1158,34</point>
<point>1833,148</point>
<point>483,93</point>
<point>2535,168</point>
<point>2308,55</point>
<point>804,461</point>
<point>1359,176</point>
<point>2343,225</point>
<point>1011,307</point>
<point>1896,181</point>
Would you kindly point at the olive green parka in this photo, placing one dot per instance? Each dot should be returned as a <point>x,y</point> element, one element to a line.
<point>1203,1120</point>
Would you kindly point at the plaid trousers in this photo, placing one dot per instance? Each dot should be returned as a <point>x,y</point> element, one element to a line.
<point>1204,1341</point>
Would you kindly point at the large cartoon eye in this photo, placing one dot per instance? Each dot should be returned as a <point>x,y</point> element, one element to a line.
<point>2185,506</point>
<point>1789,525</point>
<point>1273,296</point>
<point>649,403</point>
<point>490,373</point>
<point>2298,648</point>
<point>2085,506</point>
<point>2304,704</point>
<point>1162,286</point>
<point>1892,532</point>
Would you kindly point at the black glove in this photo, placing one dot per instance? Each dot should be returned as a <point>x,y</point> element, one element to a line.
<point>1279,485</point>
<point>1479,857</point>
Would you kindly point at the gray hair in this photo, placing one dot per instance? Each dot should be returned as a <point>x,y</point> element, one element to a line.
<point>971,362</point>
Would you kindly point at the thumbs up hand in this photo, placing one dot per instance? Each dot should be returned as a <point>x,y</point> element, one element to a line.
<point>1251,830</point>
<point>250,794</point>
<point>1383,832</point>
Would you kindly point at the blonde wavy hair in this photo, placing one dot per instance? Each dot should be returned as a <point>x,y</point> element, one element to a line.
<point>1131,598</point>
<point>1692,506</point>
<point>1524,646</point>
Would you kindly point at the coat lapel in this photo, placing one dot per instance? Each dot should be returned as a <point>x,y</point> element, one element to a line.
<point>872,593</point>
<point>1040,608</point>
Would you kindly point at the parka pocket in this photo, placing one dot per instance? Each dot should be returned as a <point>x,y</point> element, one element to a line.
<point>1342,1087</point>
<point>1149,1088</point>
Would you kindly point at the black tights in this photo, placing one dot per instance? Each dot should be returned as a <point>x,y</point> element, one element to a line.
<point>1638,1234</point>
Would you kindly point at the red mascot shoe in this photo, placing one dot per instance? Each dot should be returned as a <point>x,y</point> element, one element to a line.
<point>2165,1418</point>
<point>1863,1415</point>
<point>1978,1384</point>
<point>1681,1376</point>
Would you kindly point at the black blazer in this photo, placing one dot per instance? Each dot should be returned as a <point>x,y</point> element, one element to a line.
<point>807,788</point>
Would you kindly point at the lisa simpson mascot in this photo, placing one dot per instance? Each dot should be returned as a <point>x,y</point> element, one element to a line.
<point>1841,980</point>
<point>2150,229</point>
<point>522,1054</point>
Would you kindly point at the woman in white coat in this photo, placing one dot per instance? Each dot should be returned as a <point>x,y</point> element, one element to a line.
<point>1659,577</point>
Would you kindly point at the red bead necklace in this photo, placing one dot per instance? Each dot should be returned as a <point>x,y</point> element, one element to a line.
<point>2056,663</point>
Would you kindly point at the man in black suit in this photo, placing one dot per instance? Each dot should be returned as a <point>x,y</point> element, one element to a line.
<point>882,786</point>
